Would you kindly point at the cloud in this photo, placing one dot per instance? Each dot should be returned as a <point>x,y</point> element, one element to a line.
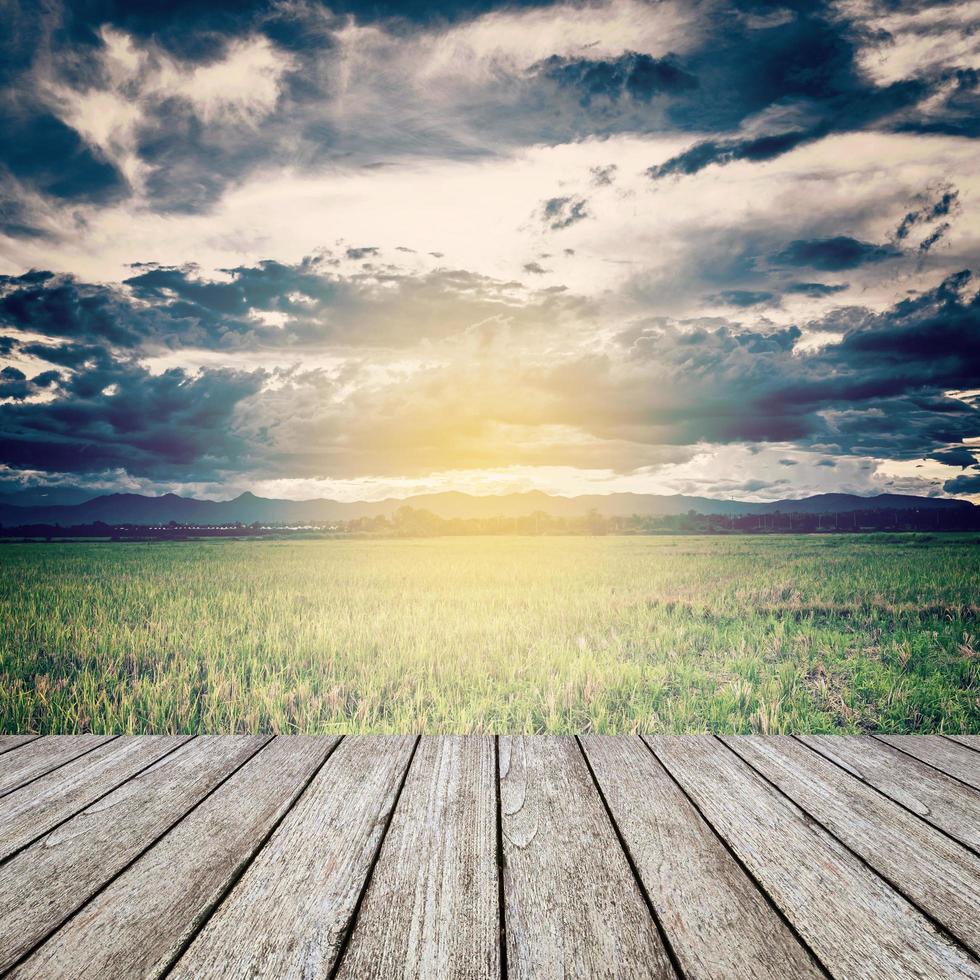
<point>928,213</point>
<point>563,212</point>
<point>117,415</point>
<point>304,307</point>
<point>363,252</point>
<point>957,456</point>
<point>632,75</point>
<point>966,484</point>
<point>833,254</point>
<point>229,141</point>
<point>771,85</point>
<point>755,149</point>
<point>173,108</point>
<point>14,384</point>
<point>880,390</point>
<point>603,176</point>
<point>40,150</point>
<point>744,297</point>
<point>494,392</point>
<point>934,237</point>
<point>814,288</point>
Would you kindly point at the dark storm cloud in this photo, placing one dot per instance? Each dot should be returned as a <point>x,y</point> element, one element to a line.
<point>39,152</point>
<point>63,307</point>
<point>755,150</point>
<point>965,484</point>
<point>957,456</point>
<point>194,32</point>
<point>118,415</point>
<point>833,254</point>
<point>879,391</point>
<point>889,374</point>
<point>39,149</point>
<point>958,112</point>
<point>189,312</point>
<point>814,288</point>
<point>632,75</point>
<point>805,61</point>
<point>164,306</point>
<point>14,384</point>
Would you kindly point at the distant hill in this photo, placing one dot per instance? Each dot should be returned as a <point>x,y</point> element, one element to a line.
<point>47,497</point>
<point>133,508</point>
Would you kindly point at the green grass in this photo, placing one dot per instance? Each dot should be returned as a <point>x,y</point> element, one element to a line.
<point>677,634</point>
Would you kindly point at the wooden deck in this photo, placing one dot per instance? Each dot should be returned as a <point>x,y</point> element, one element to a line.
<point>451,857</point>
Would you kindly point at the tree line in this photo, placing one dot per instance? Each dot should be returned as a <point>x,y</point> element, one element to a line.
<point>413,522</point>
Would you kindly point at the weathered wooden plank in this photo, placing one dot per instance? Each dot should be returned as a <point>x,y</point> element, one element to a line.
<point>42,885</point>
<point>572,905</point>
<point>432,907</point>
<point>941,753</point>
<point>716,920</point>
<point>43,755</point>
<point>856,923</point>
<point>288,914</point>
<point>937,874</point>
<point>137,926</point>
<point>970,741</point>
<point>939,799</point>
<point>10,742</point>
<point>33,810</point>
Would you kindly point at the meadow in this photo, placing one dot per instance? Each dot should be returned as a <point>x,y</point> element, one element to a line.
<point>523,634</point>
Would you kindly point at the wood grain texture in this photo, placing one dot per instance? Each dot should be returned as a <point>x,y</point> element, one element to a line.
<point>937,874</point>
<point>41,756</point>
<point>851,918</point>
<point>137,926</point>
<point>573,907</point>
<point>44,884</point>
<point>937,798</point>
<point>970,741</point>
<point>431,909</point>
<point>10,742</point>
<point>941,753</point>
<point>716,920</point>
<point>33,810</point>
<point>289,912</point>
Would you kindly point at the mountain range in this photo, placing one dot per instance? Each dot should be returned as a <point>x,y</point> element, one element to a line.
<point>67,506</point>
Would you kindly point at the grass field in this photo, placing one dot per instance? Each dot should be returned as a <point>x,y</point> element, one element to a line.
<point>739,634</point>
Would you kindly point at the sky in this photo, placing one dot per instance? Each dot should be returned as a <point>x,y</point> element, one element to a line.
<point>360,250</point>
